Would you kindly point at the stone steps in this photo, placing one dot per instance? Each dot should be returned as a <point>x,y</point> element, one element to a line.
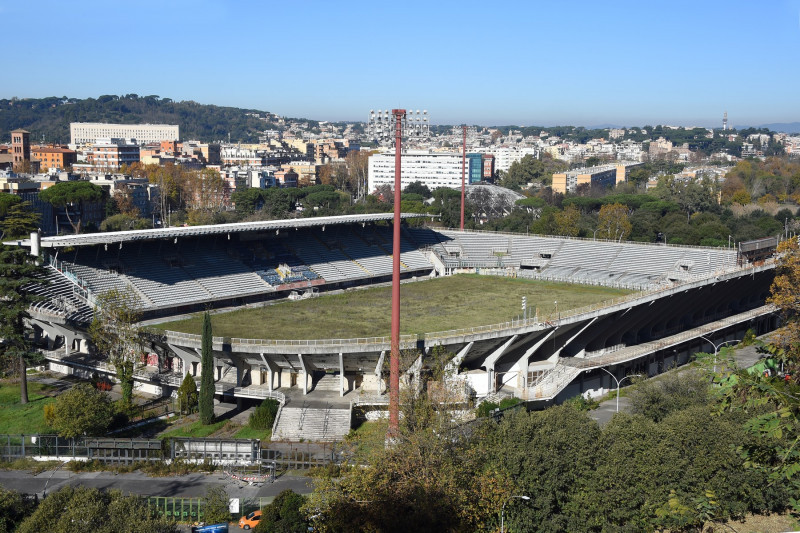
<point>313,425</point>
<point>328,382</point>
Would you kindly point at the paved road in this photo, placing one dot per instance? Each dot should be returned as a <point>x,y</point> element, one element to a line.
<point>191,485</point>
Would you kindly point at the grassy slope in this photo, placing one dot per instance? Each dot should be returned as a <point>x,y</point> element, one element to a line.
<point>16,418</point>
<point>431,305</point>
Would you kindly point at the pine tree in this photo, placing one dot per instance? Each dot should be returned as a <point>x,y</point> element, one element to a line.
<point>19,274</point>
<point>207,374</point>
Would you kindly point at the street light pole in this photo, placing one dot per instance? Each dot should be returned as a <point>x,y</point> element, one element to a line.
<point>619,382</point>
<point>718,346</point>
<point>503,510</point>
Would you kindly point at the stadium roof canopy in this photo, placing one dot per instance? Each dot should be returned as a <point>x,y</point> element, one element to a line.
<point>90,239</point>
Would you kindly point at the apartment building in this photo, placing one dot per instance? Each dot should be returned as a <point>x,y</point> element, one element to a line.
<point>110,154</point>
<point>53,157</point>
<point>434,169</point>
<point>599,176</point>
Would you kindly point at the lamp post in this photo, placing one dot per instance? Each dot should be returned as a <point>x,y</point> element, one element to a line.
<point>393,128</point>
<point>619,382</point>
<point>594,235</point>
<point>503,510</point>
<point>718,346</point>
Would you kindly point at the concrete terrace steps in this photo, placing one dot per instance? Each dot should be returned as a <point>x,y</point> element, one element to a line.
<point>328,382</point>
<point>312,424</point>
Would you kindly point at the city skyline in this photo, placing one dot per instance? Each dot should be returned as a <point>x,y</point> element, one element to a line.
<point>588,64</point>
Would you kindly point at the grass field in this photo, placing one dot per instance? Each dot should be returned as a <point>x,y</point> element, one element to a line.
<point>16,418</point>
<point>426,306</point>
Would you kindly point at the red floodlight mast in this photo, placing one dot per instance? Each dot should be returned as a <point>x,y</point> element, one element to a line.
<point>394,361</point>
<point>463,174</point>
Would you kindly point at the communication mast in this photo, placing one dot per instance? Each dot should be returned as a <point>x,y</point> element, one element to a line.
<point>725,121</point>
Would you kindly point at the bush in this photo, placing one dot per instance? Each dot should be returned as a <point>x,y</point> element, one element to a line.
<point>215,506</point>
<point>284,514</point>
<point>671,392</point>
<point>582,403</point>
<point>82,410</point>
<point>486,409</point>
<point>264,415</point>
<point>187,395</point>
<point>749,338</point>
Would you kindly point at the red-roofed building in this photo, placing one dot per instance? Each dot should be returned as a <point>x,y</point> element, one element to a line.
<point>53,157</point>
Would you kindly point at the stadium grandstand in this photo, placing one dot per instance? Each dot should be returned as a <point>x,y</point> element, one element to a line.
<point>687,295</point>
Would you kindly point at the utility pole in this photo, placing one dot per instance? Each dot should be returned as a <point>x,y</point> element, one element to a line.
<point>380,126</point>
<point>394,362</point>
<point>463,173</point>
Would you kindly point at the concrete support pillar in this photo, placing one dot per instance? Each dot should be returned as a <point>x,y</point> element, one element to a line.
<point>255,375</point>
<point>379,371</point>
<point>305,372</point>
<point>455,363</point>
<point>272,371</point>
<point>524,361</point>
<point>188,357</point>
<point>491,360</point>
<point>584,328</point>
<point>342,378</point>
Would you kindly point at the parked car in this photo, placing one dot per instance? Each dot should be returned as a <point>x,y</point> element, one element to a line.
<point>250,520</point>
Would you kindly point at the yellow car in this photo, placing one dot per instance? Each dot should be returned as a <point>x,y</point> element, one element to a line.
<point>250,520</point>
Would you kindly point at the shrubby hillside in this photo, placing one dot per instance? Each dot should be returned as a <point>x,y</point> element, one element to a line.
<point>50,117</point>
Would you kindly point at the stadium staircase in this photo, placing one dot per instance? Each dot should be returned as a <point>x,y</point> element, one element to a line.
<point>312,424</point>
<point>328,382</point>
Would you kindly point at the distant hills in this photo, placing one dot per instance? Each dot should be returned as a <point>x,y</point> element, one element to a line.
<point>49,118</point>
<point>783,127</point>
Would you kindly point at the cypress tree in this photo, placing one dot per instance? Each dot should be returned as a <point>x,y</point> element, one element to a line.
<point>19,275</point>
<point>206,374</point>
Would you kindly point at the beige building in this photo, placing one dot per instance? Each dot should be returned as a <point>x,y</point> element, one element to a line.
<point>602,176</point>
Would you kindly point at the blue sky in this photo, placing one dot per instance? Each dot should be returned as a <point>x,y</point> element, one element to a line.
<point>489,63</point>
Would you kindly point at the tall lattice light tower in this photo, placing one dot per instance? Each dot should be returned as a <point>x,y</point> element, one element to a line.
<point>725,121</point>
<point>392,128</point>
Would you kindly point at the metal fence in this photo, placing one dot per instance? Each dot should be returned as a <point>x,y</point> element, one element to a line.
<point>106,450</point>
<point>241,452</point>
<point>191,509</point>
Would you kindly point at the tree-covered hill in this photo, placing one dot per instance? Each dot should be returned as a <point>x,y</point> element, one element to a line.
<point>49,118</point>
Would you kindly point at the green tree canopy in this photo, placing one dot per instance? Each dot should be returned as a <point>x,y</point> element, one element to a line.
<point>82,410</point>
<point>76,509</point>
<point>417,187</point>
<point>284,514</point>
<point>72,195</point>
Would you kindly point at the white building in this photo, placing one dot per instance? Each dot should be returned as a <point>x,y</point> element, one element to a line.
<point>505,156</point>
<point>433,169</point>
<point>89,132</point>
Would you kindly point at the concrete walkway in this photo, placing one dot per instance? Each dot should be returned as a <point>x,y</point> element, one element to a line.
<point>744,357</point>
